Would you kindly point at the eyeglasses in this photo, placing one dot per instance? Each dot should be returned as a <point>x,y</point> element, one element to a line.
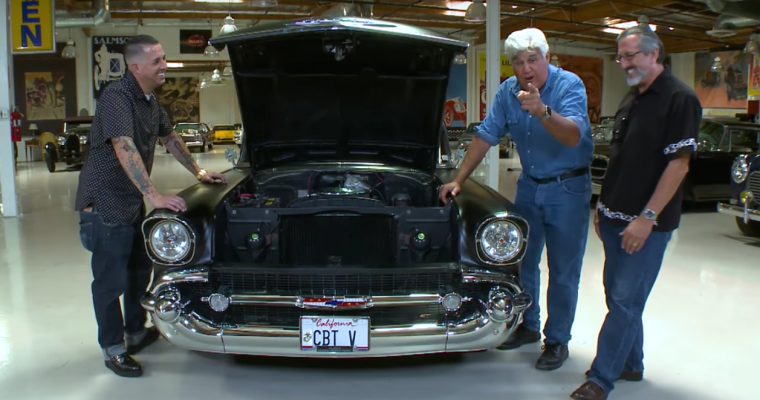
<point>628,57</point>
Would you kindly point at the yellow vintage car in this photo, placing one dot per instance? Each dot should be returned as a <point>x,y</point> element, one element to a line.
<point>224,133</point>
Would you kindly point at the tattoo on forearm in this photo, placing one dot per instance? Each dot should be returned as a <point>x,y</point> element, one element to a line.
<point>133,165</point>
<point>181,153</point>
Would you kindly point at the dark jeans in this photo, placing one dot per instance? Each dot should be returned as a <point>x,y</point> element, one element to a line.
<point>628,280</point>
<point>559,215</point>
<point>120,265</point>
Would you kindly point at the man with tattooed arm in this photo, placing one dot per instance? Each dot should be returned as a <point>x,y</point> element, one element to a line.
<point>113,182</point>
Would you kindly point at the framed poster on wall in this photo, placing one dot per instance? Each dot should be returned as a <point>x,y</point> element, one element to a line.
<point>108,63</point>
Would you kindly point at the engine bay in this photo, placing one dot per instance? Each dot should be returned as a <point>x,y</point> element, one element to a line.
<point>313,188</point>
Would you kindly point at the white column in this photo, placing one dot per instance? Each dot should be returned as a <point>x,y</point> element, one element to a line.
<point>493,72</point>
<point>7,167</point>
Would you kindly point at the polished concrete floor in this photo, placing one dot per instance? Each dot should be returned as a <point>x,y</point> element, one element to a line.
<point>699,342</point>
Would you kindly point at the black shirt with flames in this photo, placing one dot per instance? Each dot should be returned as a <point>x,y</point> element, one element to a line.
<point>651,129</point>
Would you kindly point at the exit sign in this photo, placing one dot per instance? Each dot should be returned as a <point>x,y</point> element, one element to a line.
<point>32,26</point>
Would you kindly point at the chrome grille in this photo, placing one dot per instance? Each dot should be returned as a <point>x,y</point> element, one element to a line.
<point>599,167</point>
<point>753,185</point>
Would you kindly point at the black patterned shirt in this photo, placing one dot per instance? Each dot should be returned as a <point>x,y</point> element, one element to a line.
<point>651,129</point>
<point>123,109</point>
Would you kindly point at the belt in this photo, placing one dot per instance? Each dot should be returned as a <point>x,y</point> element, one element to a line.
<point>566,175</point>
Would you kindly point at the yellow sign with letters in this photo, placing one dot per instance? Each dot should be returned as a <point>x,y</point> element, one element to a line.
<point>32,26</point>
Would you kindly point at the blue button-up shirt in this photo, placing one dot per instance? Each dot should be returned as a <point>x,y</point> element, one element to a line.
<point>541,155</point>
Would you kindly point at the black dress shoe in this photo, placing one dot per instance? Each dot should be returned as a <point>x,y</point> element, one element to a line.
<point>553,357</point>
<point>124,365</point>
<point>151,336</point>
<point>589,391</point>
<point>520,337</point>
<point>630,376</point>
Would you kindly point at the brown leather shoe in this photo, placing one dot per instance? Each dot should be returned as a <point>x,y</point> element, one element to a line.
<point>628,376</point>
<point>589,391</point>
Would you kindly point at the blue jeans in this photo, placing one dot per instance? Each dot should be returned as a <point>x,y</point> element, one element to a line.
<point>558,214</point>
<point>120,266</point>
<point>628,280</point>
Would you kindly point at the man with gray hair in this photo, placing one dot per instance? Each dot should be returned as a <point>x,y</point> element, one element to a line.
<point>544,108</point>
<point>655,134</point>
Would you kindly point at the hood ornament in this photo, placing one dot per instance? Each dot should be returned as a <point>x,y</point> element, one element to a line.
<point>231,156</point>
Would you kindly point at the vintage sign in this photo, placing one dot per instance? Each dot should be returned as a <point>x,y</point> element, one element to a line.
<point>107,61</point>
<point>32,26</point>
<point>193,41</point>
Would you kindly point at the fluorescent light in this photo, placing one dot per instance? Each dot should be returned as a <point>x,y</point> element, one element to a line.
<point>218,1</point>
<point>174,65</point>
<point>620,27</point>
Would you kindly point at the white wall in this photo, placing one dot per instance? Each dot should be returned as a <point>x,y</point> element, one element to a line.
<point>218,104</point>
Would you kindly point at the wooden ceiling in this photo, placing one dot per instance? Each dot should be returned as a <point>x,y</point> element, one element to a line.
<point>681,24</point>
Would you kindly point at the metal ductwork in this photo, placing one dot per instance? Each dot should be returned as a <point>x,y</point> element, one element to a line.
<point>64,20</point>
<point>725,21</point>
<point>747,8</point>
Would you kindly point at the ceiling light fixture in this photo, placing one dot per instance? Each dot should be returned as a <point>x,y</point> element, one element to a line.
<point>69,51</point>
<point>460,59</point>
<point>555,61</point>
<point>211,51</point>
<point>476,12</point>
<point>753,46</point>
<point>716,66</point>
<point>229,25</point>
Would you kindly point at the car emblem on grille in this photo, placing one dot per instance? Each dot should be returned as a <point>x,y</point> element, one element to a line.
<point>344,303</point>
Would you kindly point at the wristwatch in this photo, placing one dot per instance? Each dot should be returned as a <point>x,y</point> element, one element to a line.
<point>200,174</point>
<point>649,214</point>
<point>547,113</point>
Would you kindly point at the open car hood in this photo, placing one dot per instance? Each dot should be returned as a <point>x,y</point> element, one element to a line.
<point>343,89</point>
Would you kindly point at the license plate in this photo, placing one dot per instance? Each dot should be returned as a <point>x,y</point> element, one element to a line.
<point>335,334</point>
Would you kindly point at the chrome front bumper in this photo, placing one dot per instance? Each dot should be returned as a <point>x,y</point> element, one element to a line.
<point>748,214</point>
<point>193,143</point>
<point>596,188</point>
<point>485,330</point>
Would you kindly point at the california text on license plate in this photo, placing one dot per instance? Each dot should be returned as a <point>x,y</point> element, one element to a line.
<point>335,334</point>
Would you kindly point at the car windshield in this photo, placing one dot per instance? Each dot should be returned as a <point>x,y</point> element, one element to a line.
<point>745,140</point>
<point>79,130</point>
<point>186,127</point>
<point>224,128</point>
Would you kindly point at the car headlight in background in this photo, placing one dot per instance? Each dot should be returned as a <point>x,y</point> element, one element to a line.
<point>61,140</point>
<point>170,241</point>
<point>500,241</point>
<point>82,139</point>
<point>739,169</point>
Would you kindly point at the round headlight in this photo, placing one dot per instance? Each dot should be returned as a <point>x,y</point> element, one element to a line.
<point>170,241</point>
<point>739,170</point>
<point>501,240</point>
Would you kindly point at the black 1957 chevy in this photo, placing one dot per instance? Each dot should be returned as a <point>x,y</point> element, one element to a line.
<point>329,239</point>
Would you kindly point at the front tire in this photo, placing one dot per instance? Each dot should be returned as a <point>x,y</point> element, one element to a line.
<point>751,228</point>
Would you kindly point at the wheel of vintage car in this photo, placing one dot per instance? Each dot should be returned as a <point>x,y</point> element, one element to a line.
<point>751,228</point>
<point>202,149</point>
<point>211,145</point>
<point>50,157</point>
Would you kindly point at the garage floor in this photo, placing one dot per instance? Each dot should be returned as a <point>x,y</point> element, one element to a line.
<point>700,323</point>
